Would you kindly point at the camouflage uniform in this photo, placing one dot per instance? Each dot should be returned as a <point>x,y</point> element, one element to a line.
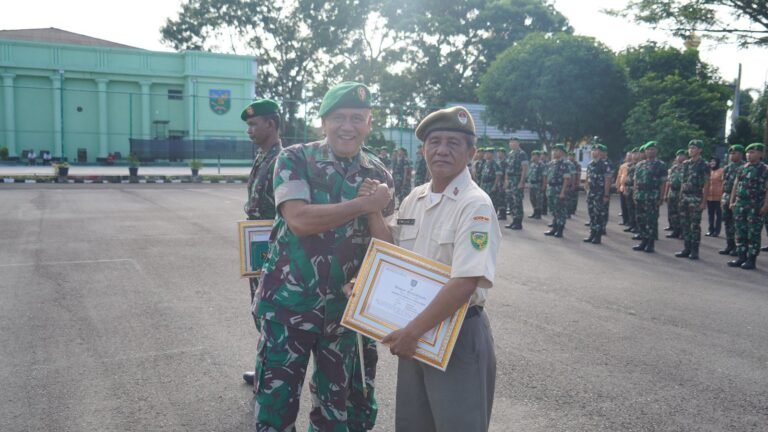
<point>501,196</point>
<point>516,160</point>
<point>477,170</point>
<point>535,192</point>
<point>491,169</point>
<point>599,171</point>
<point>629,184</point>
<point>730,173</point>
<point>572,196</point>
<point>695,175</point>
<point>673,198</point>
<point>649,176</point>
<point>422,174</point>
<point>300,298</point>
<point>750,195</point>
<point>558,172</point>
<point>401,170</point>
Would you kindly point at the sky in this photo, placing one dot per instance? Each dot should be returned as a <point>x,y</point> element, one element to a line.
<point>137,23</point>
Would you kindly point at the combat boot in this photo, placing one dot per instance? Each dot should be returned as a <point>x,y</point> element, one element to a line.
<point>641,246</point>
<point>598,239</point>
<point>750,264</point>
<point>764,248</point>
<point>694,252</point>
<point>738,261</point>
<point>637,237</point>
<point>686,252</point>
<point>502,214</point>
<point>650,248</point>
<point>551,232</point>
<point>559,232</point>
<point>673,234</point>
<point>730,246</point>
<point>629,229</point>
<point>590,238</point>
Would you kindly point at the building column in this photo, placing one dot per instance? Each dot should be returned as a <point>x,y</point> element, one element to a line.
<point>10,117</point>
<point>191,90</point>
<point>101,85</point>
<point>57,95</point>
<point>146,113</point>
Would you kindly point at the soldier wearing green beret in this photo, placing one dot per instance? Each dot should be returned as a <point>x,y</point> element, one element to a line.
<point>695,186</point>
<point>629,190</point>
<point>599,175</point>
<point>749,201</point>
<point>422,173</point>
<point>332,197</point>
<point>535,186</point>
<point>558,182</point>
<point>477,165</point>
<point>672,194</point>
<point>514,181</point>
<point>491,177</point>
<point>572,196</point>
<point>730,172</point>
<point>650,183</point>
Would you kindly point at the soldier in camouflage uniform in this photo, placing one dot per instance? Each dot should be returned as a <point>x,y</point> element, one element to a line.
<point>544,160</point>
<point>749,201</point>
<point>263,120</point>
<point>401,171</point>
<point>502,197</point>
<point>599,175</point>
<point>558,182</point>
<point>422,173</point>
<point>650,183</point>
<point>320,236</point>
<point>535,188</point>
<point>515,176</point>
<point>730,172</point>
<point>477,165</point>
<point>384,158</point>
<point>572,196</point>
<point>674,175</point>
<point>695,186</point>
<point>491,178</point>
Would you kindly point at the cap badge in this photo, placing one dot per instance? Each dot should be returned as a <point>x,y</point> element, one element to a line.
<point>249,110</point>
<point>361,93</point>
<point>462,117</point>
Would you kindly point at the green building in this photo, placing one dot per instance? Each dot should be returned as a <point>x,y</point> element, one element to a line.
<point>82,98</point>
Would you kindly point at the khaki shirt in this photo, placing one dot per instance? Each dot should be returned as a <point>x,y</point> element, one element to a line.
<point>460,230</point>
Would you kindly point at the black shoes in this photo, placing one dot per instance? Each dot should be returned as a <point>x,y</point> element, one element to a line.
<point>514,226</point>
<point>738,261</point>
<point>750,263</point>
<point>650,247</point>
<point>641,246</point>
<point>589,239</point>
<point>248,377</point>
<point>730,247</point>
<point>673,234</point>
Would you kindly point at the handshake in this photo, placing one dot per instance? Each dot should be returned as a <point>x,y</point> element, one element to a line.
<point>375,195</point>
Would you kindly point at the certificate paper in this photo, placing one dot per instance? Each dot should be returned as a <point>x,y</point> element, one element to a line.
<point>394,285</point>
<point>254,245</point>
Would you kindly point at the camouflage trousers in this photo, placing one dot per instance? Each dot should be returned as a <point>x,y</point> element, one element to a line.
<point>631,212</point>
<point>730,227</point>
<point>499,200</point>
<point>673,210</point>
<point>281,365</point>
<point>690,219</point>
<point>557,206</point>
<point>572,201</point>
<point>536,197</point>
<point>749,226</point>
<point>515,199</point>
<point>598,212</point>
<point>647,214</point>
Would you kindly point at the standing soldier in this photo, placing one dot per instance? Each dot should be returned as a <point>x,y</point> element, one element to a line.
<point>502,197</point>
<point>321,232</point>
<point>516,173</point>
<point>675,176</point>
<point>558,181</point>
<point>650,183</point>
<point>573,191</point>
<point>695,186</point>
<point>599,175</point>
<point>544,161</point>
<point>749,201</point>
<point>477,165</point>
<point>731,171</point>
<point>401,171</point>
<point>422,173</point>
<point>629,191</point>
<point>491,178</point>
<point>535,187</point>
<point>263,120</point>
<point>384,158</point>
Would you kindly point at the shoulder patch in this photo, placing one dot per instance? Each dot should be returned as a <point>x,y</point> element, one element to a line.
<point>479,239</point>
<point>481,219</point>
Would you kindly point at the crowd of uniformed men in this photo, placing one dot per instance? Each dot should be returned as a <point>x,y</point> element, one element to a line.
<point>328,199</point>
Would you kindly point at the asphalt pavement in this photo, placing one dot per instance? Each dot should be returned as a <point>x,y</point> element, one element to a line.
<point>121,309</point>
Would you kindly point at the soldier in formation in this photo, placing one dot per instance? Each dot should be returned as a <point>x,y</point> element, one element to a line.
<point>558,181</point>
<point>491,178</point>
<point>422,173</point>
<point>516,174</point>
<point>501,195</point>
<point>749,201</point>
<point>674,184</point>
<point>535,184</point>
<point>629,191</point>
<point>649,185</point>
<point>695,186</point>
<point>599,176</point>
<point>572,195</point>
<point>401,172</point>
<point>730,172</point>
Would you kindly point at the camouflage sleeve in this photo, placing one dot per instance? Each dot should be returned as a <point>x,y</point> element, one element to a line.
<point>523,159</point>
<point>290,180</point>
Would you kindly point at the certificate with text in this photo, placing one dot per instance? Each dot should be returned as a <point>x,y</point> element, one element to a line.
<point>254,245</point>
<point>393,286</point>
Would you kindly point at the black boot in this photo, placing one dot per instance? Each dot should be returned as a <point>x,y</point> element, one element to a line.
<point>730,246</point>
<point>673,234</point>
<point>686,252</point>
<point>640,246</point>
<point>551,232</point>
<point>694,252</point>
<point>669,228</point>
<point>750,263</point>
<point>552,225</point>
<point>629,229</point>
<point>537,215</point>
<point>637,237</point>
<point>650,248</point>
<point>559,232</point>
<point>764,248</point>
<point>590,238</point>
<point>738,261</point>
<point>598,239</point>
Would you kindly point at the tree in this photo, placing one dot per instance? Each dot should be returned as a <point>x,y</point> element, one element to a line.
<point>759,118</point>
<point>710,17</point>
<point>564,87</point>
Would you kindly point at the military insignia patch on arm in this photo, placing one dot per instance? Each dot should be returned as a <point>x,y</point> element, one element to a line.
<point>479,239</point>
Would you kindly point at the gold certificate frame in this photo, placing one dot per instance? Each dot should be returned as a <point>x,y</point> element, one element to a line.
<point>393,286</point>
<point>254,245</point>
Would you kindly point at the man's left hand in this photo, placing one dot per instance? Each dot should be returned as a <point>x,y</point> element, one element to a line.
<point>401,343</point>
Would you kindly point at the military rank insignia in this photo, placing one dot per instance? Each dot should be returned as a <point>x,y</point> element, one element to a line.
<point>478,239</point>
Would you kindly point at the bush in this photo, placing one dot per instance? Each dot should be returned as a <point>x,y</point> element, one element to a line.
<point>3,153</point>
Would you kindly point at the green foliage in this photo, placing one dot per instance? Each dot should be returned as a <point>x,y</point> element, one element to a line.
<point>563,87</point>
<point>133,160</point>
<point>743,132</point>
<point>195,164</point>
<point>715,18</point>
<point>3,153</point>
<point>757,116</point>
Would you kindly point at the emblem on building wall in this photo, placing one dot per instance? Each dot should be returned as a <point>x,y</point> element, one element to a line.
<point>219,100</point>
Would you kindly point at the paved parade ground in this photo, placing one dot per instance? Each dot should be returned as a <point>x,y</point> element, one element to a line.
<point>121,309</point>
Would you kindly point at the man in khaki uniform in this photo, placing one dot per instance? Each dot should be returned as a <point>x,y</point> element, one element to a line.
<point>451,220</point>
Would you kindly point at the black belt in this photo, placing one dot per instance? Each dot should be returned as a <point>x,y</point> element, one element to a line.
<point>473,311</point>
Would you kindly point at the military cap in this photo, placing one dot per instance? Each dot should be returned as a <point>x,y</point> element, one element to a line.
<point>561,147</point>
<point>736,148</point>
<point>535,153</point>
<point>259,108</point>
<point>681,152</point>
<point>453,119</point>
<point>696,143</point>
<point>348,94</point>
<point>649,144</point>
<point>571,153</point>
<point>402,149</point>
<point>756,147</point>
<point>635,150</point>
<point>602,147</point>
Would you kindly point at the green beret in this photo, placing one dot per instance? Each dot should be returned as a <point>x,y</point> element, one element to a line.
<point>635,150</point>
<point>756,147</point>
<point>571,153</point>
<point>454,119</point>
<point>561,147</point>
<point>736,148</point>
<point>648,145</point>
<point>602,147</point>
<point>535,153</point>
<point>348,94</point>
<point>696,143</point>
<point>681,152</point>
<point>259,108</point>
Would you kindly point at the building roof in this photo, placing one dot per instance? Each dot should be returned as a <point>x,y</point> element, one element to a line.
<point>484,129</point>
<point>58,36</point>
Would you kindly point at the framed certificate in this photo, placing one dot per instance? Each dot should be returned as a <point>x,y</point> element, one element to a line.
<point>254,245</point>
<point>393,286</point>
